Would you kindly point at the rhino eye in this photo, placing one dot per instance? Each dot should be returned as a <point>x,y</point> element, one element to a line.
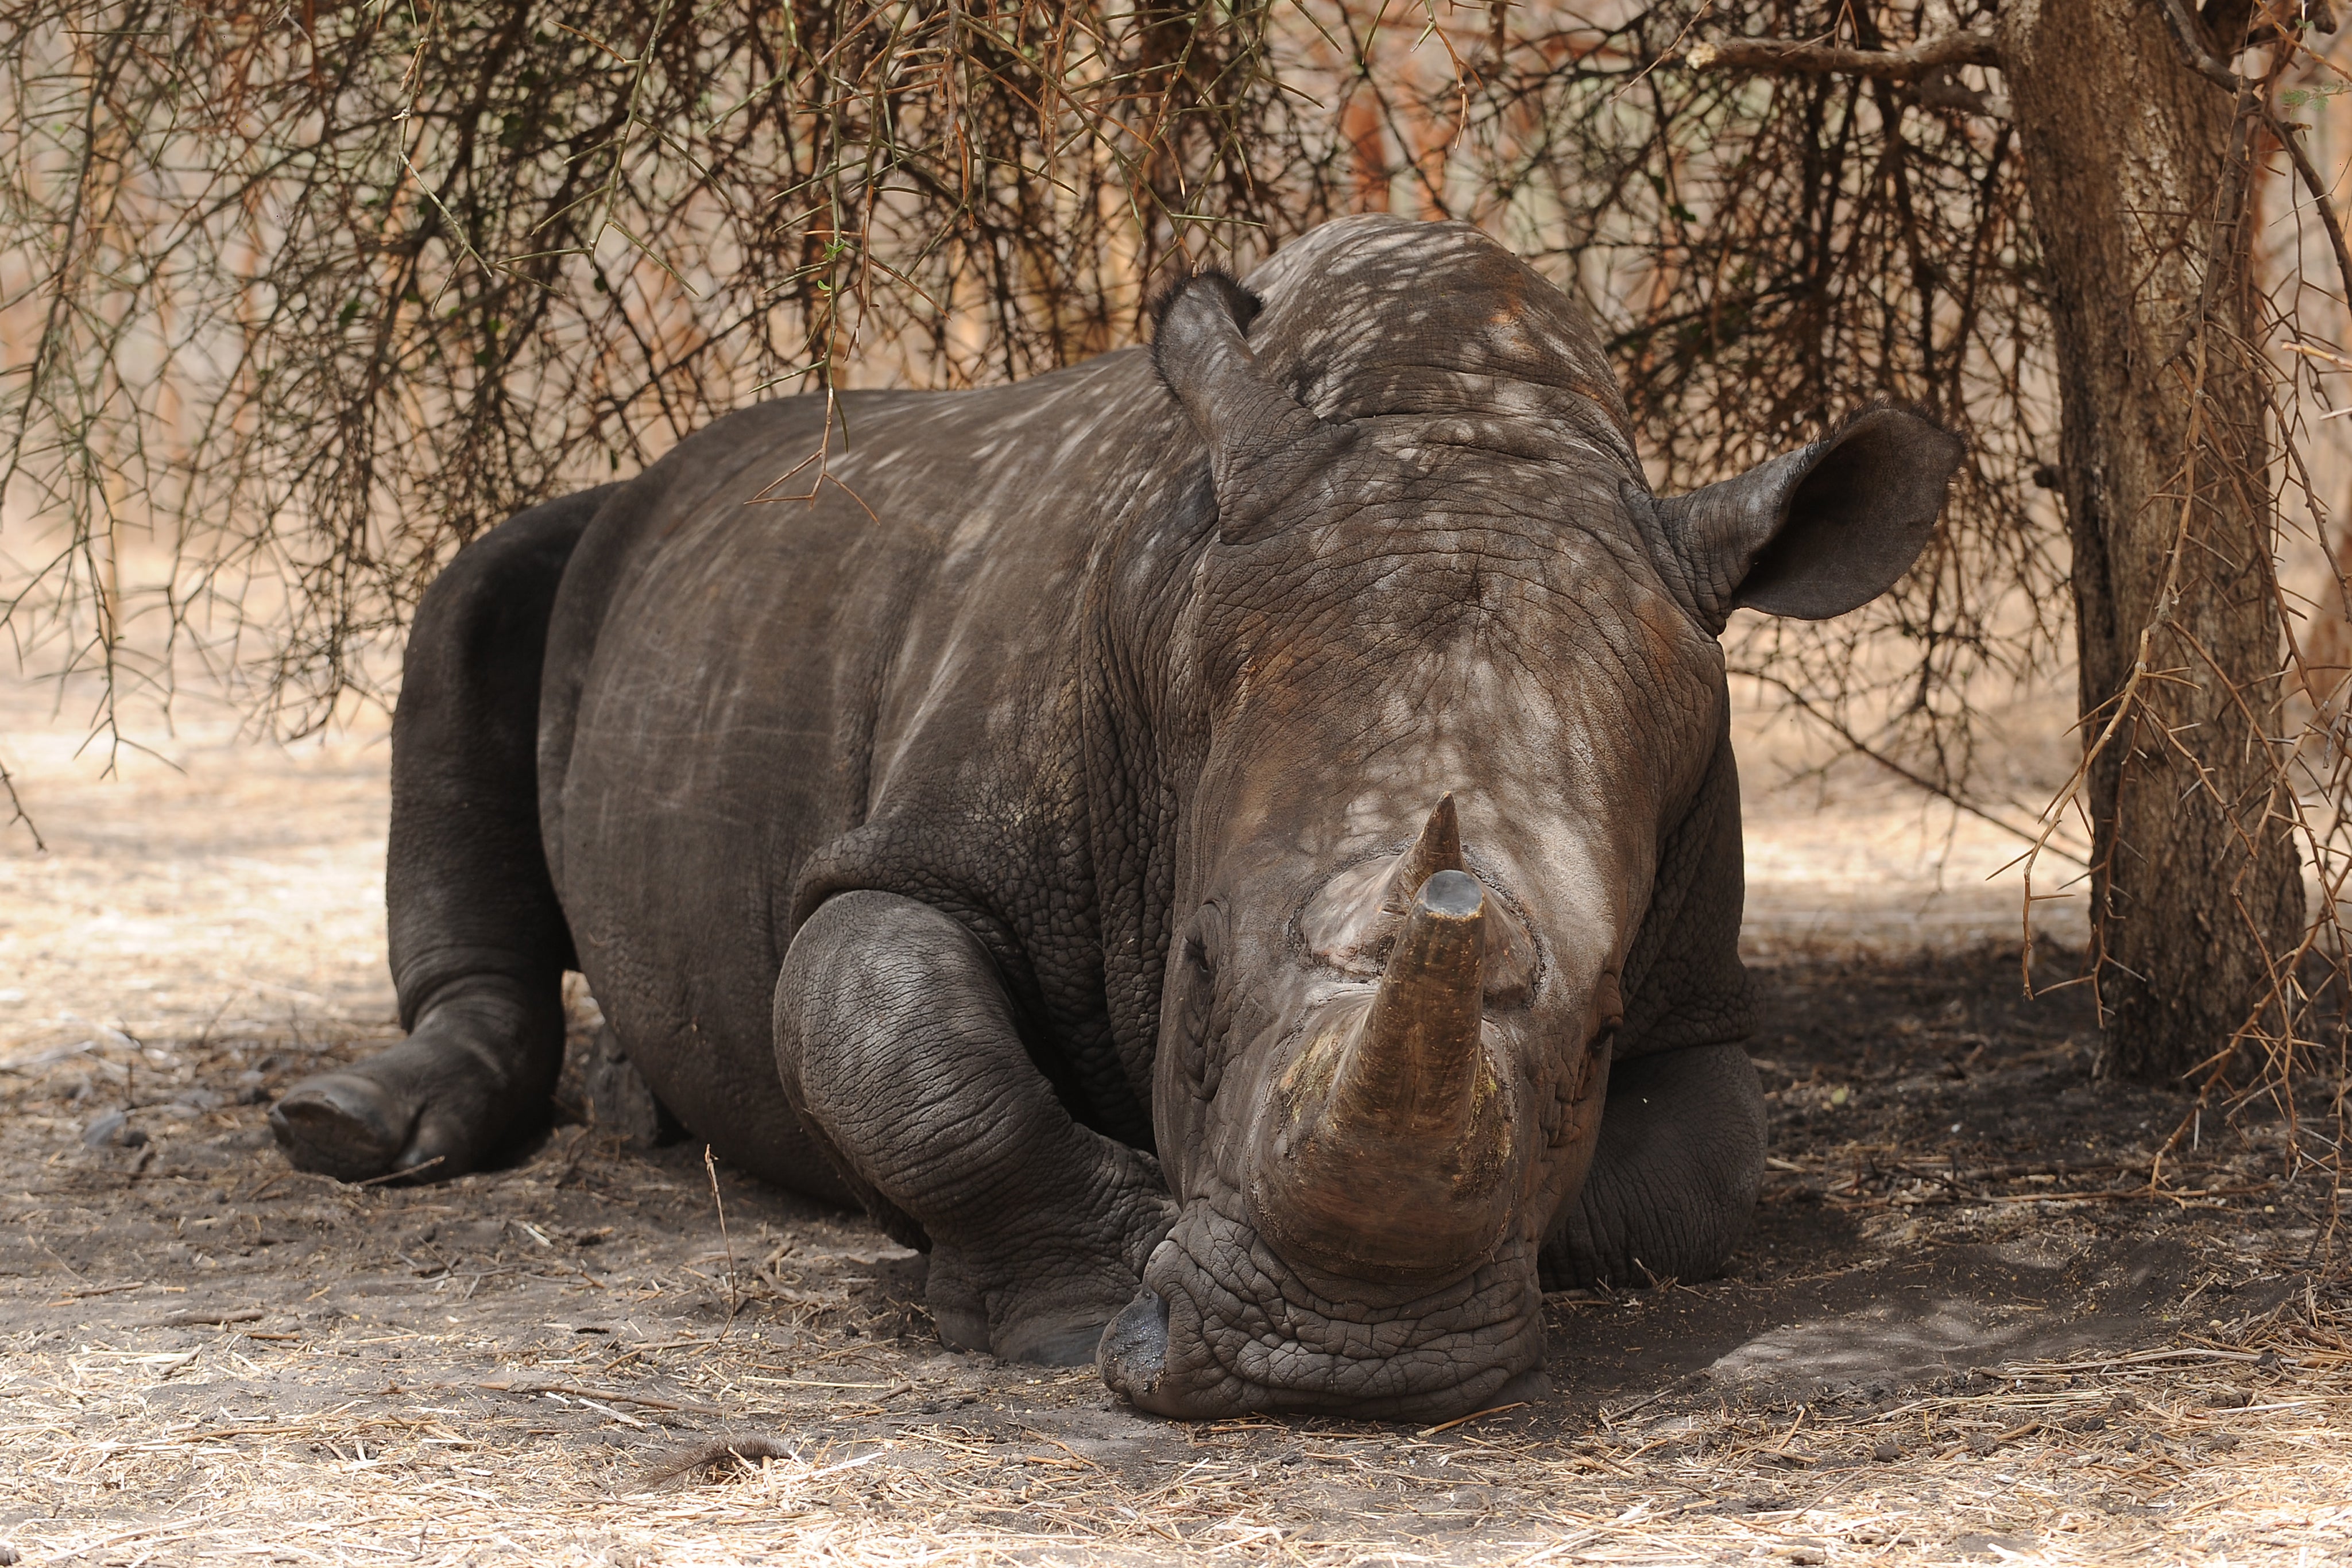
<point>1575,1086</point>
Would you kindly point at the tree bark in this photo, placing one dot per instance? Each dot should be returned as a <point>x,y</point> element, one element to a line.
<point>2138,194</point>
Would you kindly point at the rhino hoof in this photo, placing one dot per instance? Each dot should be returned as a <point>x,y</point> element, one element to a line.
<point>342,1125</point>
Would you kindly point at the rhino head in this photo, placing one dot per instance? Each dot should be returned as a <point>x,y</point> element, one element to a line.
<point>1445,695</point>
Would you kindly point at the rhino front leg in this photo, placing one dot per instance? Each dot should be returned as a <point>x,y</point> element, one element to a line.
<point>896,1044</point>
<point>1673,1182</point>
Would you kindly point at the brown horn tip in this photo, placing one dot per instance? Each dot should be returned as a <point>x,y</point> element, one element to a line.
<point>1438,849</point>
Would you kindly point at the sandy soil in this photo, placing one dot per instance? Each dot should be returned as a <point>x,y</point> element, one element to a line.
<point>1961,1328</point>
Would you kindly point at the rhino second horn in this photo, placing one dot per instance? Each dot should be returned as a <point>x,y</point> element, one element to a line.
<point>1391,1136</point>
<point>1438,849</point>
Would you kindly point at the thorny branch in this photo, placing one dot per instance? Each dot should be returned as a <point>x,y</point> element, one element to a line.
<point>2322,203</point>
<point>1909,64</point>
<point>17,812</point>
<point>1859,746</point>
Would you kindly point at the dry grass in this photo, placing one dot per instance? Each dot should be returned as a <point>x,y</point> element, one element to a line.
<point>2229,1448</point>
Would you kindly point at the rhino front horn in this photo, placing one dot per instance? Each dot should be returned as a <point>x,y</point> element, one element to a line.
<point>1384,1151</point>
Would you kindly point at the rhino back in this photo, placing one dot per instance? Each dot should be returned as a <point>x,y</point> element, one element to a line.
<point>753,705</point>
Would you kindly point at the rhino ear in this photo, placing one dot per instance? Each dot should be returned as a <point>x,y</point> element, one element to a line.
<point>1821,531</point>
<point>1263,445</point>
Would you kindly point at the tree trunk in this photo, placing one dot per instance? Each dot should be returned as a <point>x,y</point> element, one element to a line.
<point>2139,193</point>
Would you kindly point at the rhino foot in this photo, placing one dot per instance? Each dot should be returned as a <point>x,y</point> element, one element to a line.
<point>1058,1322</point>
<point>474,1077</point>
<point>343,1124</point>
<point>1673,1185</point>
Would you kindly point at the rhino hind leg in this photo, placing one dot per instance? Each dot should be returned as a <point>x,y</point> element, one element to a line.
<point>479,941</point>
<point>471,1079</point>
<point>1673,1182</point>
<point>897,1045</point>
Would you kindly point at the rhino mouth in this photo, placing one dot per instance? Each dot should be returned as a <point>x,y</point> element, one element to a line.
<point>1224,1327</point>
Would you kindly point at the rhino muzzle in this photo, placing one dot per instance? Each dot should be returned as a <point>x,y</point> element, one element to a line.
<point>1225,1326</point>
<point>1385,1150</point>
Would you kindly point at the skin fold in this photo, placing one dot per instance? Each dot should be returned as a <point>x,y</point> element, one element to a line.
<point>1233,848</point>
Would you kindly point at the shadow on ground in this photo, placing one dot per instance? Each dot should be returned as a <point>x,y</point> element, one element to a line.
<point>1957,1263</point>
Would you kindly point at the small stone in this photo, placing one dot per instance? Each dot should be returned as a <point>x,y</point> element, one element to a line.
<point>8,1558</point>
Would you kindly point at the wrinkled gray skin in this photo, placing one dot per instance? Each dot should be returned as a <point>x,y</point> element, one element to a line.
<point>987,837</point>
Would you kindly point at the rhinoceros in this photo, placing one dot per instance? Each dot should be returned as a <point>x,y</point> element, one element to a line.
<point>1232,848</point>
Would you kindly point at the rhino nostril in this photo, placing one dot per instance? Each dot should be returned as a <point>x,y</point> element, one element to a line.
<point>1134,1349</point>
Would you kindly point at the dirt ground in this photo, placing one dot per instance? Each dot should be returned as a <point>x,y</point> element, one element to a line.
<point>1962,1328</point>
